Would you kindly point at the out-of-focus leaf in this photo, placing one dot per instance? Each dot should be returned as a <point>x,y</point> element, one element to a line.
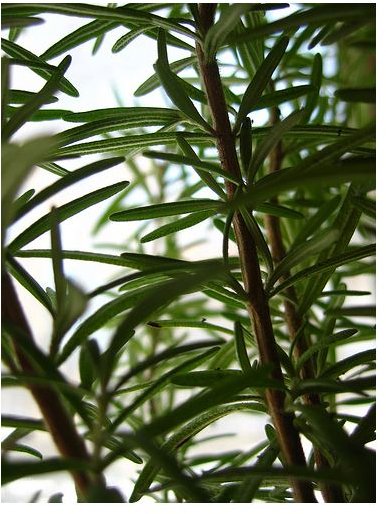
<point>316,82</point>
<point>317,16</point>
<point>302,252</point>
<point>12,471</point>
<point>365,95</point>
<point>179,438</point>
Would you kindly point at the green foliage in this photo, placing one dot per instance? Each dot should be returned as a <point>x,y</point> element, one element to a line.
<point>172,344</point>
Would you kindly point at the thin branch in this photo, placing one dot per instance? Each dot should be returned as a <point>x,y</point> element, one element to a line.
<point>258,308</point>
<point>58,421</point>
<point>331,492</point>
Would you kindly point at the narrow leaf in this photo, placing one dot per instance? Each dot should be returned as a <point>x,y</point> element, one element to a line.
<point>64,212</point>
<point>328,264</point>
<point>176,226</point>
<point>173,87</point>
<point>191,161</point>
<point>283,95</point>
<point>364,95</point>
<point>153,82</point>
<point>203,174</point>
<point>125,40</point>
<point>166,209</point>
<point>68,180</point>
<point>260,81</point>
<point>220,30</point>
<point>241,349</point>
<point>45,71</point>
<point>27,281</point>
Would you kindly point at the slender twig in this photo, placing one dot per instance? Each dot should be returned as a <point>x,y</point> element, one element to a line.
<point>258,308</point>
<point>331,493</point>
<point>58,421</point>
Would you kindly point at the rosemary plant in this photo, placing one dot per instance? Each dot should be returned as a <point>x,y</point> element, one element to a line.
<point>265,139</point>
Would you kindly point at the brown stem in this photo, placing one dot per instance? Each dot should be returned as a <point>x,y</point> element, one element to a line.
<point>331,493</point>
<point>58,421</point>
<point>258,307</point>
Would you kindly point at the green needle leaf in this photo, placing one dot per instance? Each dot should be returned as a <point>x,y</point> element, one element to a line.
<point>64,212</point>
<point>18,52</point>
<point>176,226</point>
<point>260,81</point>
<point>166,209</point>
<point>218,32</point>
<point>241,349</point>
<point>173,87</point>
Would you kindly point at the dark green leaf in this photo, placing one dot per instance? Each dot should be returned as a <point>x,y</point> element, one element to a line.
<point>12,471</point>
<point>355,170</point>
<point>283,95</point>
<point>203,174</point>
<point>204,378</point>
<point>347,364</point>
<point>316,82</point>
<point>27,281</point>
<point>191,161</point>
<point>217,395</point>
<point>17,96</point>
<point>316,221</point>
<point>11,21</point>
<point>365,95</point>
<point>241,349</point>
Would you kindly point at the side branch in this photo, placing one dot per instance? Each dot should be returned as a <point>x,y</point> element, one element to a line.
<point>331,493</point>
<point>58,421</point>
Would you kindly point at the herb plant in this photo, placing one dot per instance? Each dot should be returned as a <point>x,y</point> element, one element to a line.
<point>268,145</point>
